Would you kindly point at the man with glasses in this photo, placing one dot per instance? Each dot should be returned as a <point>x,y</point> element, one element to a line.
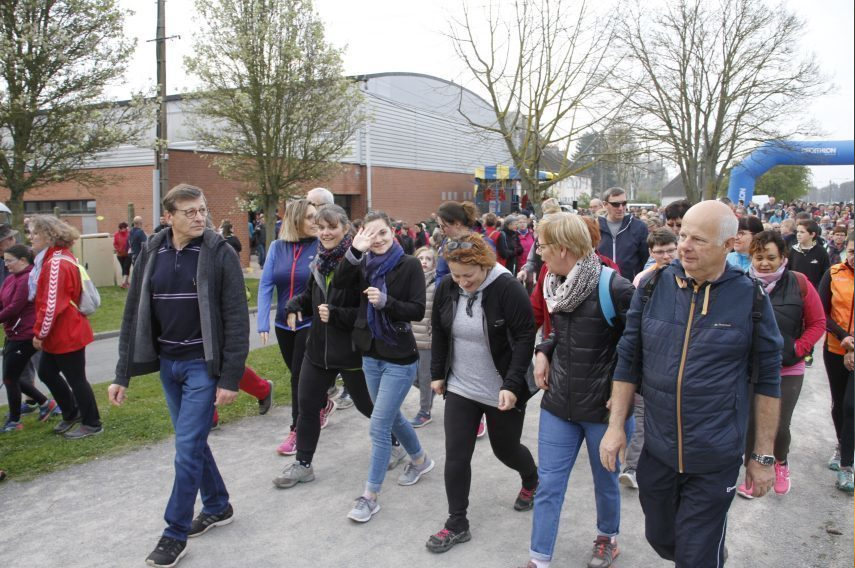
<point>186,316</point>
<point>624,238</point>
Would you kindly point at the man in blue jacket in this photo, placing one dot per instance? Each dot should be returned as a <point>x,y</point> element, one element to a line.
<point>623,238</point>
<point>696,352</point>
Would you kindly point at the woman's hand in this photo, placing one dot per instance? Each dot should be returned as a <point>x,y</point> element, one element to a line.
<point>37,343</point>
<point>438,386</point>
<point>374,295</point>
<point>264,337</point>
<point>363,239</point>
<point>293,318</point>
<point>324,313</point>
<point>507,400</point>
<point>541,371</point>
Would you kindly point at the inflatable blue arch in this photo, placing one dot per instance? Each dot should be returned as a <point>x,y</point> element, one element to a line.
<point>744,175</point>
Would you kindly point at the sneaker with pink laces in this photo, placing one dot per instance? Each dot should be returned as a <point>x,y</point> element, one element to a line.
<point>782,478</point>
<point>289,446</point>
<point>743,491</point>
<point>326,412</point>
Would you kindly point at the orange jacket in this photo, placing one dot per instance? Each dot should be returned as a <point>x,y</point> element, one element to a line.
<point>59,324</point>
<point>842,286</point>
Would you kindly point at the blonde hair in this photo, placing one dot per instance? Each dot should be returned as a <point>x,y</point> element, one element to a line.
<point>422,250</point>
<point>550,205</point>
<point>56,231</point>
<point>292,222</point>
<point>566,230</point>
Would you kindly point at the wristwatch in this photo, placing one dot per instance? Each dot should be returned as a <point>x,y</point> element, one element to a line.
<point>763,460</point>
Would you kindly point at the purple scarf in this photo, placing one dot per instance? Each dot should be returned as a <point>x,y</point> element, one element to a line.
<point>768,279</point>
<point>377,266</point>
<point>327,260</point>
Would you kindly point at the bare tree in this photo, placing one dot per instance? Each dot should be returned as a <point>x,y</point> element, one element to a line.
<point>711,80</point>
<point>56,58</point>
<point>543,72</point>
<point>273,99</point>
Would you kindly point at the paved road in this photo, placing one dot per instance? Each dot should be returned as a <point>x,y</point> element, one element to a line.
<point>107,513</point>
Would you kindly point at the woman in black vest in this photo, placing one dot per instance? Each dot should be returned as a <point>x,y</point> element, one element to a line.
<point>574,367</point>
<point>801,320</point>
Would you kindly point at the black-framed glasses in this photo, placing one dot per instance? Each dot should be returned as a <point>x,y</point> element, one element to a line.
<point>617,204</point>
<point>191,213</point>
<point>454,245</point>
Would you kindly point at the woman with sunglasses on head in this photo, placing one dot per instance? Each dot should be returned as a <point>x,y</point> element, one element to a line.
<point>483,340</point>
<point>392,294</point>
<point>456,219</point>
<point>287,269</point>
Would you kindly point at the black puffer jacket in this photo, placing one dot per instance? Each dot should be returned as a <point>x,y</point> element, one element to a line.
<point>509,325</point>
<point>582,355</point>
<point>329,345</point>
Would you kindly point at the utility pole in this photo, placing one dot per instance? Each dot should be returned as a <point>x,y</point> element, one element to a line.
<point>161,152</point>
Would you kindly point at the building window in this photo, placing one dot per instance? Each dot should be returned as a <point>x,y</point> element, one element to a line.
<point>66,207</point>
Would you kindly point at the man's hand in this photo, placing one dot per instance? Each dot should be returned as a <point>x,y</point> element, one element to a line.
<point>541,371</point>
<point>507,400</point>
<point>293,318</point>
<point>37,343</point>
<point>116,394</point>
<point>438,386</point>
<point>225,397</point>
<point>612,445</point>
<point>848,343</point>
<point>759,478</point>
<point>324,313</point>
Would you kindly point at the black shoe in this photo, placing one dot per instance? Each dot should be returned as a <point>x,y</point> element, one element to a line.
<point>265,403</point>
<point>525,499</point>
<point>445,539</point>
<point>205,522</point>
<point>65,425</point>
<point>83,431</point>
<point>167,553</point>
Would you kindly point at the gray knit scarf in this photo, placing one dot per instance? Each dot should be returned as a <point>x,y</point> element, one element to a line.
<point>565,294</point>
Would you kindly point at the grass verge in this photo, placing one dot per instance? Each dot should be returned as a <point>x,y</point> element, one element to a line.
<point>142,420</point>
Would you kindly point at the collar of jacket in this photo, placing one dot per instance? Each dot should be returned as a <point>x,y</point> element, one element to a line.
<point>684,280</point>
<point>210,238</point>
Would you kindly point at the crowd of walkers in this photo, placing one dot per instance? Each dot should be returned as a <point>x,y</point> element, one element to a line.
<point>714,308</point>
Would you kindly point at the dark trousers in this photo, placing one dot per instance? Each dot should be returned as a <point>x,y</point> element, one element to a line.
<point>312,394</point>
<point>504,428</point>
<point>16,356</point>
<point>685,515</point>
<point>71,390</point>
<point>791,388</point>
<point>292,345</point>
<point>125,263</point>
<point>842,404</point>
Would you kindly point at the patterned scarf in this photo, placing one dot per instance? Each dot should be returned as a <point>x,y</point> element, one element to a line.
<point>377,266</point>
<point>768,279</point>
<point>566,295</point>
<point>327,260</point>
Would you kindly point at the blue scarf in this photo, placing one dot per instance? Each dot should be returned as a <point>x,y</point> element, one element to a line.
<point>377,266</point>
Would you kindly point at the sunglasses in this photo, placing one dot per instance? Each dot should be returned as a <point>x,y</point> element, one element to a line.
<point>617,204</point>
<point>454,245</point>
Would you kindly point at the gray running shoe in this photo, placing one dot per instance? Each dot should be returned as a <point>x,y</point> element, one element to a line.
<point>344,400</point>
<point>834,462</point>
<point>412,472</point>
<point>363,509</point>
<point>83,431</point>
<point>627,478</point>
<point>399,454</point>
<point>294,474</point>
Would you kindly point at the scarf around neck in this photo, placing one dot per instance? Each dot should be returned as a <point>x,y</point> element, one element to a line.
<point>566,295</point>
<point>768,279</point>
<point>327,260</point>
<point>377,266</point>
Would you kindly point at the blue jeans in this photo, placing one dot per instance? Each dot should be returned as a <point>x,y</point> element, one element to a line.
<point>558,445</point>
<point>388,385</point>
<point>190,394</point>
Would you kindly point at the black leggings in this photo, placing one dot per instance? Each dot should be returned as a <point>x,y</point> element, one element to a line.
<point>842,404</point>
<point>78,400</point>
<point>462,416</point>
<point>292,345</point>
<point>791,388</point>
<point>314,382</point>
<point>16,355</point>
<point>125,263</point>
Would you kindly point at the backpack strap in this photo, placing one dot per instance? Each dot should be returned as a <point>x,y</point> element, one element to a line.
<point>647,292</point>
<point>756,316</point>
<point>802,280</point>
<point>607,305</point>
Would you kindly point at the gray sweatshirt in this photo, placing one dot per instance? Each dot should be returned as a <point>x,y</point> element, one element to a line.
<point>473,374</point>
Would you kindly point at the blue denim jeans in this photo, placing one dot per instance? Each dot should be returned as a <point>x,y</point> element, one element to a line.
<point>190,394</point>
<point>388,385</point>
<point>558,445</point>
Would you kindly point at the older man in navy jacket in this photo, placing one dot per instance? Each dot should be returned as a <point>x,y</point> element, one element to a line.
<point>696,350</point>
<point>623,238</point>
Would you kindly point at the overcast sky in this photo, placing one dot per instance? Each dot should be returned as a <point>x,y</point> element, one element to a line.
<point>407,35</point>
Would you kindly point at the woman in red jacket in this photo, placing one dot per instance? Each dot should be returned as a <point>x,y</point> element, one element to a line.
<point>17,316</point>
<point>61,331</point>
<point>120,245</point>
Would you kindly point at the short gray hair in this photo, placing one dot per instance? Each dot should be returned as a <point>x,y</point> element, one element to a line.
<point>611,192</point>
<point>728,228</point>
<point>320,196</point>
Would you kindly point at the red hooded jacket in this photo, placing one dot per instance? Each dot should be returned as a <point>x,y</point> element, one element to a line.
<point>59,324</point>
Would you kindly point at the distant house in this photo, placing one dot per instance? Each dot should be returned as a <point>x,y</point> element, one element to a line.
<point>673,191</point>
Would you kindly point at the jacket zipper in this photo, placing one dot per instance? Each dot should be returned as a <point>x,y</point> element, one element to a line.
<point>614,241</point>
<point>695,288</point>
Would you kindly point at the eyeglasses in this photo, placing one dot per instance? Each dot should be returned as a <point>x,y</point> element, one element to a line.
<point>454,245</point>
<point>669,251</point>
<point>541,245</point>
<point>617,204</point>
<point>191,213</point>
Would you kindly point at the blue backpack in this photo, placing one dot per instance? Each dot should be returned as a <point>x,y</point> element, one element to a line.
<point>607,304</point>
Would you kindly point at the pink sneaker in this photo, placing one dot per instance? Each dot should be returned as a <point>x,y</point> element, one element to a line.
<point>782,478</point>
<point>743,491</point>
<point>482,427</point>
<point>326,412</point>
<point>289,446</point>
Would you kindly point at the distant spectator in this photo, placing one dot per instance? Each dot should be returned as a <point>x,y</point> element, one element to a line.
<point>120,246</point>
<point>807,255</point>
<point>674,213</point>
<point>836,244</point>
<point>137,239</point>
<point>227,231</point>
<point>162,225</point>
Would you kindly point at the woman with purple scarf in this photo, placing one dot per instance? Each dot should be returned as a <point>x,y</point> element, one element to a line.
<point>392,294</point>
